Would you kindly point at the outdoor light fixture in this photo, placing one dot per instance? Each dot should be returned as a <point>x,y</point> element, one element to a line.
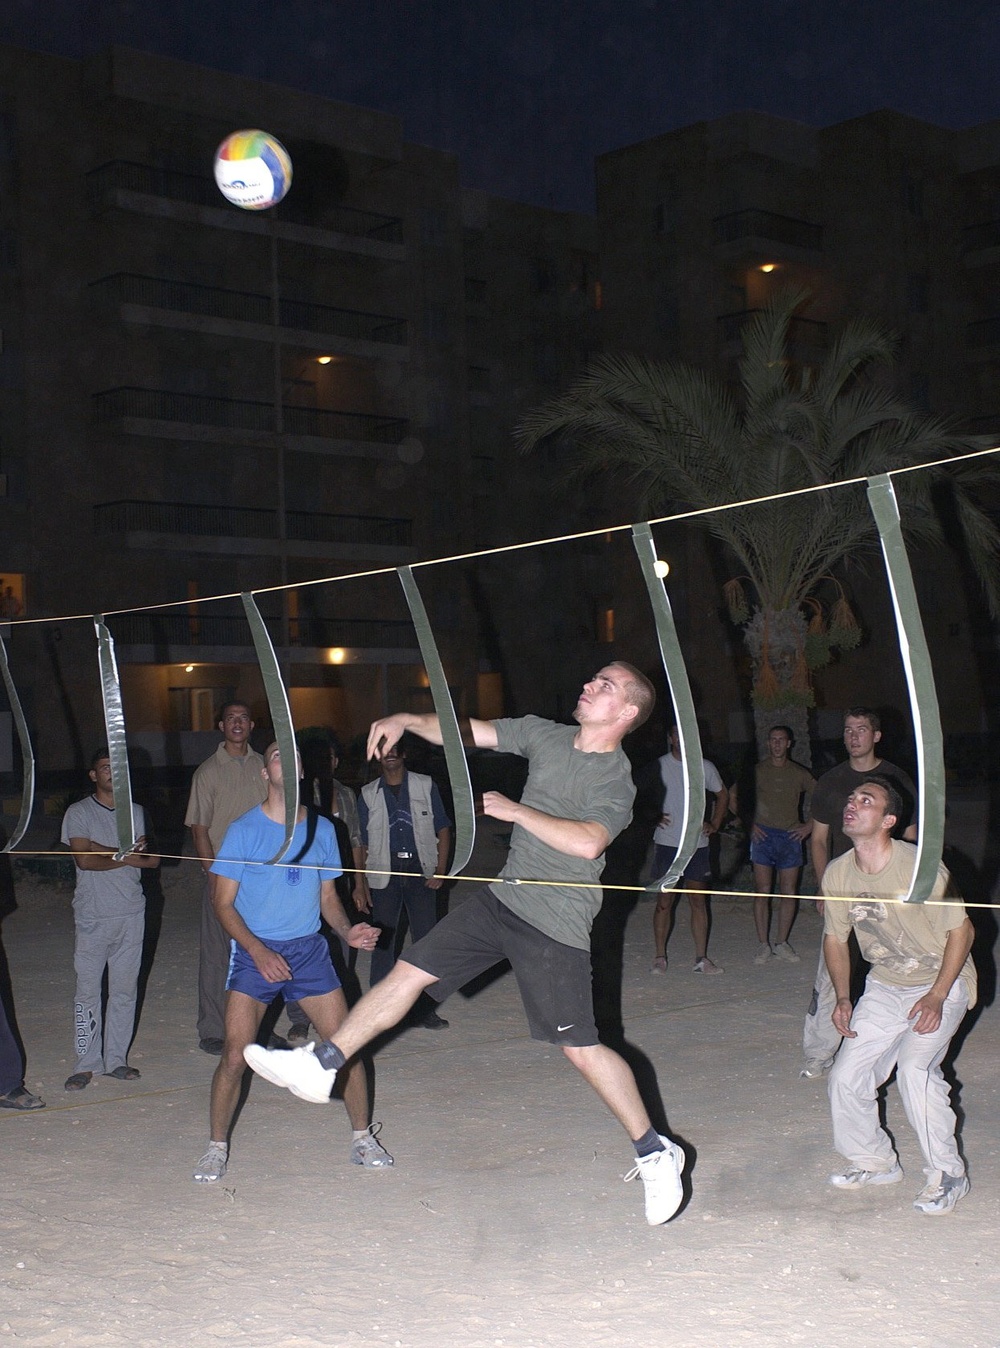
<point>768,267</point>
<point>189,669</point>
<point>323,360</point>
<point>336,655</point>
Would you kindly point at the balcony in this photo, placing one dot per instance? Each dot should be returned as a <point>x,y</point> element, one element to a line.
<point>151,299</point>
<point>805,335</point>
<point>183,631</point>
<point>176,526</point>
<point>195,197</point>
<point>189,416</point>
<point>764,231</point>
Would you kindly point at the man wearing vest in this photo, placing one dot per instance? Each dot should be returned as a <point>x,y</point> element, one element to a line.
<point>406,835</point>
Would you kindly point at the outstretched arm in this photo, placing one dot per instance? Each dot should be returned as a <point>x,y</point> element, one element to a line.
<point>575,837</point>
<point>387,731</point>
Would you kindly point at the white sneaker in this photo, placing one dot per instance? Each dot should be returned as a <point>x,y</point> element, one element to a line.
<point>212,1165</point>
<point>297,1069</point>
<point>783,951</point>
<point>764,953</point>
<point>941,1192</point>
<point>856,1178</point>
<point>368,1150</point>
<point>814,1068</point>
<point>661,1178</point>
<point>707,966</point>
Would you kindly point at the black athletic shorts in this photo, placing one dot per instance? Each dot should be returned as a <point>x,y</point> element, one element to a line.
<point>554,979</point>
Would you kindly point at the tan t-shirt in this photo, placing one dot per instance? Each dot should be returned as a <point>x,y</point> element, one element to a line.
<point>222,789</point>
<point>779,791</point>
<point>903,942</point>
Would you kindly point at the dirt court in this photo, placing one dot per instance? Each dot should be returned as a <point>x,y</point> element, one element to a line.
<point>505,1222</point>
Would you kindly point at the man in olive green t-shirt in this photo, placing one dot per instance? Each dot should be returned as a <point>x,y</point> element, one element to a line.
<point>921,984</point>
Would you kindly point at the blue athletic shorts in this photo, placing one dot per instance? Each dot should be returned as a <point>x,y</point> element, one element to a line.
<point>698,868</point>
<point>778,849</point>
<point>308,957</point>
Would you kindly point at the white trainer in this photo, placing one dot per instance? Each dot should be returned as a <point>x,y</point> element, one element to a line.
<point>854,1177</point>
<point>661,1178</point>
<point>297,1069</point>
<point>941,1192</point>
<point>764,953</point>
<point>212,1165</point>
<point>368,1150</point>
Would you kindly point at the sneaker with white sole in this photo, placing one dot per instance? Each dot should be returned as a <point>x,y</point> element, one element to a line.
<point>368,1150</point>
<point>212,1165</point>
<point>661,1178</point>
<point>856,1178</point>
<point>783,951</point>
<point>814,1068</point>
<point>764,953</point>
<point>659,965</point>
<point>297,1069</point>
<point>707,966</point>
<point>941,1192</point>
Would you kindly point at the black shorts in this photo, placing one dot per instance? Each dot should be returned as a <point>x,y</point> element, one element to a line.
<point>554,979</point>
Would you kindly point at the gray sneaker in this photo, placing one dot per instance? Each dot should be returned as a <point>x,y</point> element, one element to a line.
<point>368,1150</point>
<point>212,1165</point>
<point>783,951</point>
<point>856,1178</point>
<point>941,1192</point>
<point>764,953</point>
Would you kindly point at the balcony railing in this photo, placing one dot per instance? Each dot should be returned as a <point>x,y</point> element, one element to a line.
<point>198,190</point>
<point>801,331</point>
<point>781,229</point>
<point>240,306</point>
<point>984,333</point>
<point>196,629</point>
<point>197,409</point>
<point>222,521</point>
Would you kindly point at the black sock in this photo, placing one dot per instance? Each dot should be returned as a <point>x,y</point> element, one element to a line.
<point>329,1056</point>
<point>648,1143</point>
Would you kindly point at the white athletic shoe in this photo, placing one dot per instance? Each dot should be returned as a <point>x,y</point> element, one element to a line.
<point>212,1165</point>
<point>814,1068</point>
<point>764,953</point>
<point>856,1178</point>
<point>368,1150</point>
<point>661,1178</point>
<point>783,951</point>
<point>297,1069</point>
<point>941,1192</point>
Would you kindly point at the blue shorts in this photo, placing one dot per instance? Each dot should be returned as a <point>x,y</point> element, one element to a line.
<point>308,957</point>
<point>698,868</point>
<point>778,849</point>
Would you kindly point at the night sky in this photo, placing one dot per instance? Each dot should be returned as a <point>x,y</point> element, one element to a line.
<point>526,92</point>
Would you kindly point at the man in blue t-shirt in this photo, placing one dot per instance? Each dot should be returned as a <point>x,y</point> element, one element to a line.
<point>271,915</point>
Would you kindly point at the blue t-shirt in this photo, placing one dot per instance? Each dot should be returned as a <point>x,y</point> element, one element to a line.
<point>278,903</point>
<point>397,804</point>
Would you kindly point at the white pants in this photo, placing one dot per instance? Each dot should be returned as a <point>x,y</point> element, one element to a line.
<point>886,1039</point>
<point>820,1037</point>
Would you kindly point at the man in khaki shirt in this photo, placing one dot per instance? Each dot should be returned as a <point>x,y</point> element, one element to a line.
<point>921,984</point>
<point>224,787</point>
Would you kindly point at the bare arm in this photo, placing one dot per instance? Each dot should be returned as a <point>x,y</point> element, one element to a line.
<point>361,893</point>
<point>92,856</point>
<point>838,962</point>
<point>361,936</point>
<point>203,846</point>
<point>444,847</point>
<point>386,732</point>
<point>574,837</point>
<point>721,805</point>
<point>956,950</point>
<point>819,852</point>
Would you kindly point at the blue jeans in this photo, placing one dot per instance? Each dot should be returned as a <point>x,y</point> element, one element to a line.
<point>402,891</point>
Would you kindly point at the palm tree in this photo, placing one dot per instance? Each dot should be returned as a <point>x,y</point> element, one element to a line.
<point>690,442</point>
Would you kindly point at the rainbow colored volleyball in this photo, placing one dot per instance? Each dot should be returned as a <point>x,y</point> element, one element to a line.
<point>252,170</point>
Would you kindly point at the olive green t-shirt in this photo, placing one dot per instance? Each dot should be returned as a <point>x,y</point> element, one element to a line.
<point>568,784</point>
<point>903,942</point>
<point>779,793</point>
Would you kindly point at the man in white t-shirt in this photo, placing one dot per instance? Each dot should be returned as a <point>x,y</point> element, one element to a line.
<point>694,882</point>
<point>921,984</point>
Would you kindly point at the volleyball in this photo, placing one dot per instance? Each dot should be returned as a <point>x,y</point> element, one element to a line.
<point>252,170</point>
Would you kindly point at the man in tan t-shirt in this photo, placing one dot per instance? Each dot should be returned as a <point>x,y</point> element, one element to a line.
<point>921,984</point>
<point>224,787</point>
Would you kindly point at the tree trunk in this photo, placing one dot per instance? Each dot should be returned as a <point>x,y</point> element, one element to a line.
<point>776,641</point>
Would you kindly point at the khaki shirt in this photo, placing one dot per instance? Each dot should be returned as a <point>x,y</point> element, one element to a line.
<point>903,942</point>
<point>222,789</point>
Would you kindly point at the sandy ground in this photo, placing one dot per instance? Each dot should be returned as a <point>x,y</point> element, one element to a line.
<point>505,1220</point>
